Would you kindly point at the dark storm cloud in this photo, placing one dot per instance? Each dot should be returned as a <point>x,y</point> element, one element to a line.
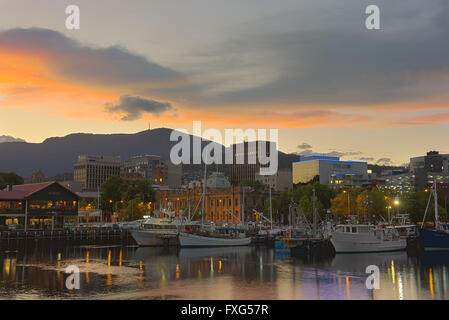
<point>304,145</point>
<point>135,107</point>
<point>320,54</point>
<point>331,153</point>
<point>71,59</point>
<point>384,161</point>
<point>335,60</point>
<point>366,158</point>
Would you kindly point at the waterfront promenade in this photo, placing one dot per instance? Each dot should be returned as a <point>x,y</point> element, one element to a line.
<point>70,237</point>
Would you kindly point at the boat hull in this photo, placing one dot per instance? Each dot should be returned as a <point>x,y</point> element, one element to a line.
<point>149,238</point>
<point>350,243</point>
<point>434,240</point>
<point>187,240</point>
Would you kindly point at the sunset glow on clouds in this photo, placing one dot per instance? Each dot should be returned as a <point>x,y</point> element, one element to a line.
<point>289,76</point>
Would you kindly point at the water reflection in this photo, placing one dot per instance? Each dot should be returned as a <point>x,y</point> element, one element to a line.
<point>216,273</point>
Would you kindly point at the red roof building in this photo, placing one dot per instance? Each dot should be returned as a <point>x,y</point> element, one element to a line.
<point>38,206</point>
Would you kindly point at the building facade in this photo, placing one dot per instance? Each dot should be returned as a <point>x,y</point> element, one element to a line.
<point>281,181</point>
<point>400,182</point>
<point>329,170</point>
<point>188,203</point>
<point>218,180</point>
<point>246,163</point>
<point>46,205</point>
<point>92,171</point>
<point>432,166</point>
<point>154,168</point>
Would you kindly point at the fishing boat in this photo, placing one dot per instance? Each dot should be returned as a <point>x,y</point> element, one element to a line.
<point>364,238</point>
<point>219,237</point>
<point>210,235</point>
<point>405,228</point>
<point>156,232</point>
<point>437,238</point>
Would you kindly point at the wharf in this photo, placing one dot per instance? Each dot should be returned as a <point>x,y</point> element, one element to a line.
<point>69,237</point>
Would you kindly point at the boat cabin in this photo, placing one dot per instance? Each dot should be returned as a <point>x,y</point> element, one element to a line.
<point>380,232</point>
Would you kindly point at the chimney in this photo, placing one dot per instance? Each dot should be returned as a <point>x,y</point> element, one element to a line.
<point>9,187</point>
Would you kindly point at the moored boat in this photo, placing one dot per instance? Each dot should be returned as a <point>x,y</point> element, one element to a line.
<point>365,238</point>
<point>433,240</point>
<point>156,232</point>
<point>438,238</point>
<point>196,240</point>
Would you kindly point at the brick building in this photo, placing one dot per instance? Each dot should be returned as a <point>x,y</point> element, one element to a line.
<point>217,202</point>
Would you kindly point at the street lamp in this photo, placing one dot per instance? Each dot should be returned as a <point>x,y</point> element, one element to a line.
<point>396,203</point>
<point>349,203</point>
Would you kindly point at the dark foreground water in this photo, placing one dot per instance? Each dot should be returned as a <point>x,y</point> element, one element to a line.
<point>219,273</point>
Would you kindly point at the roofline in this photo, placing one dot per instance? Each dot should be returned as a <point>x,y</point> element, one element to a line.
<point>348,161</point>
<point>50,183</point>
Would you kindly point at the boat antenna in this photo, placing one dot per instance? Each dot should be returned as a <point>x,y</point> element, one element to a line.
<point>314,213</point>
<point>427,208</point>
<point>435,195</point>
<point>204,193</point>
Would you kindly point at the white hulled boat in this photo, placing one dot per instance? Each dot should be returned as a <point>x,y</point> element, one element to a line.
<point>364,238</point>
<point>156,232</point>
<point>234,237</point>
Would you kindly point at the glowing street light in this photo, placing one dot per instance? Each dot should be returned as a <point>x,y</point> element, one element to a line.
<point>396,200</point>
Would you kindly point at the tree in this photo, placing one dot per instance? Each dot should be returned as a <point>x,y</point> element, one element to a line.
<point>280,206</point>
<point>302,194</point>
<point>117,193</point>
<point>10,178</point>
<point>371,204</point>
<point>344,204</point>
<point>139,188</point>
<point>255,184</point>
<point>111,192</point>
<point>415,205</point>
<point>134,210</point>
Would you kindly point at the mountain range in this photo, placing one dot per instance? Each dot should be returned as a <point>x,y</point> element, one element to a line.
<point>57,155</point>
<point>10,139</point>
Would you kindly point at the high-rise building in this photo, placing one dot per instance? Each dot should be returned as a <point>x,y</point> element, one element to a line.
<point>246,163</point>
<point>156,169</point>
<point>432,166</point>
<point>329,170</point>
<point>92,171</point>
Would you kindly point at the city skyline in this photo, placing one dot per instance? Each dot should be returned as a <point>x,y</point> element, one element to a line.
<point>313,71</point>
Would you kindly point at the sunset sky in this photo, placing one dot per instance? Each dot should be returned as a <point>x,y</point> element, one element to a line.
<point>309,68</point>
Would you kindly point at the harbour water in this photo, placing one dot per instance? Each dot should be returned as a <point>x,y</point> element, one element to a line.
<point>129,272</point>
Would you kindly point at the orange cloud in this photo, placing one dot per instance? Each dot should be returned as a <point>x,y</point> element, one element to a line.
<point>77,85</point>
<point>27,84</point>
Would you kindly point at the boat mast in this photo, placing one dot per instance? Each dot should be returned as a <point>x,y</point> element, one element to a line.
<point>437,218</point>
<point>314,213</point>
<point>427,208</point>
<point>271,212</point>
<point>204,193</point>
